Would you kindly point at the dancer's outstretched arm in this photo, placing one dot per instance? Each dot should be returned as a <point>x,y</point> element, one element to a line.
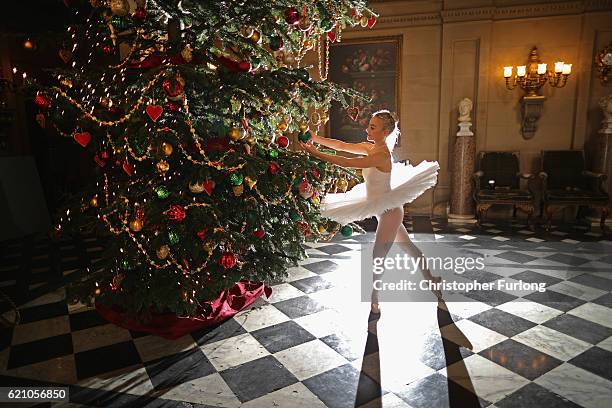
<point>377,159</point>
<point>356,148</point>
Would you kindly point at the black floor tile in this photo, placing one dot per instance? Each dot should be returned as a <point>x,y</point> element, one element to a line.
<point>333,249</point>
<point>86,320</point>
<point>437,352</point>
<point>42,312</point>
<point>105,359</point>
<point>492,297</point>
<point>595,360</point>
<point>344,346</point>
<point>282,336</point>
<point>516,257</point>
<point>579,328</point>
<point>258,377</point>
<point>437,390</point>
<point>321,267</point>
<point>40,350</point>
<point>593,281</point>
<point>533,395</point>
<point>534,277</point>
<point>605,300</point>
<point>501,322</point>
<point>299,306</point>
<point>312,284</point>
<point>555,300</point>
<point>343,387</point>
<point>521,359</point>
<point>567,259</point>
<point>225,330</point>
<point>179,368</point>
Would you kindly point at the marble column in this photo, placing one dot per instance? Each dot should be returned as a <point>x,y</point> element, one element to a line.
<point>464,153</point>
<point>603,155</point>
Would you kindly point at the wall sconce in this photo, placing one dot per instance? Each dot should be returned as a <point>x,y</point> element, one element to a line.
<point>603,62</point>
<point>531,78</point>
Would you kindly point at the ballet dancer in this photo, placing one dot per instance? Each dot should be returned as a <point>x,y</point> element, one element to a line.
<point>387,187</point>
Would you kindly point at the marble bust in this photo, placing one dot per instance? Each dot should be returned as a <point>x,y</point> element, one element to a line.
<point>465,108</point>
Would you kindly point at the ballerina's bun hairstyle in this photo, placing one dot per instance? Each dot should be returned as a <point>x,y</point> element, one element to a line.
<point>389,121</point>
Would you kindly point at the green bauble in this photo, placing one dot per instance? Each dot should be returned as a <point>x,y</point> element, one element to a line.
<point>251,216</point>
<point>273,154</point>
<point>346,231</point>
<point>173,237</point>
<point>162,192</point>
<point>294,215</point>
<point>119,23</point>
<point>327,24</point>
<point>322,165</point>
<point>303,74</point>
<point>304,136</point>
<point>126,265</point>
<point>276,42</point>
<point>236,179</point>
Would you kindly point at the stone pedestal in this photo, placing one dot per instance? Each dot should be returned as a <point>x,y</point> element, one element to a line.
<point>464,153</point>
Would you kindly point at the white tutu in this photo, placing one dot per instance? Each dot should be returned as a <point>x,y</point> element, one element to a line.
<point>381,191</point>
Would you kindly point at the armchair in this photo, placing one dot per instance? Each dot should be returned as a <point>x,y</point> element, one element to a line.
<point>566,182</point>
<point>498,181</point>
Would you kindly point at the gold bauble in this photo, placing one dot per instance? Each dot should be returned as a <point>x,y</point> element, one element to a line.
<point>315,118</point>
<point>238,190</point>
<point>303,127</point>
<point>167,148</point>
<point>322,229</point>
<point>163,251</point>
<point>282,126</point>
<point>97,292</point>
<point>315,200</point>
<point>187,53</point>
<point>246,31</point>
<point>342,185</point>
<point>135,225</point>
<point>93,202</point>
<point>324,118</point>
<point>196,187</point>
<point>308,44</point>
<point>363,21</point>
<point>119,7</point>
<point>256,37</point>
<point>163,166</point>
<point>207,246</point>
<point>250,182</point>
<point>267,100</point>
<point>235,134</point>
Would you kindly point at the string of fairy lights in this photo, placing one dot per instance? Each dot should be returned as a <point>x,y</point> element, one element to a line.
<point>90,95</point>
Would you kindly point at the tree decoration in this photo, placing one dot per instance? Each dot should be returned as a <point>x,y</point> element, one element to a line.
<point>42,101</point>
<point>162,166</point>
<point>273,153</point>
<point>136,225</point>
<point>238,190</point>
<point>154,112</point>
<point>305,136</point>
<point>259,233</point>
<point>173,237</point>
<point>196,188</point>
<point>346,231</point>
<point>82,138</point>
<point>119,7</point>
<point>208,186</point>
<point>167,148</point>
<point>162,192</point>
<point>273,168</point>
<point>292,16</point>
<point>282,141</point>
<point>163,252</point>
<point>306,189</point>
<point>236,179</point>
<point>228,260</point>
<point>276,42</point>
<point>235,134</point>
<point>176,213</point>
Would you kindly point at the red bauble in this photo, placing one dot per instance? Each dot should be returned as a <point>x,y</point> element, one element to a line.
<point>42,101</point>
<point>108,49</point>
<point>172,106</point>
<point>176,213</point>
<point>104,155</point>
<point>202,234</point>
<point>273,168</point>
<point>306,189</point>
<point>292,16</point>
<point>140,13</point>
<point>228,260</point>
<point>172,88</point>
<point>282,141</point>
<point>315,173</point>
<point>260,233</point>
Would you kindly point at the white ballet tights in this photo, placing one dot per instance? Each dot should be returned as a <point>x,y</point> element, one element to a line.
<point>391,230</point>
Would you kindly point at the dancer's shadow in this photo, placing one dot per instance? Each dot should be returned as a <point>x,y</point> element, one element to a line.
<point>461,393</point>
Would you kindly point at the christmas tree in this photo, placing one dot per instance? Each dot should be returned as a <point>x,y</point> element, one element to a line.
<point>189,110</point>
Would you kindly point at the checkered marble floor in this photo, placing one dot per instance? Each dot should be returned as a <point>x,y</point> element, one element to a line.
<point>314,344</point>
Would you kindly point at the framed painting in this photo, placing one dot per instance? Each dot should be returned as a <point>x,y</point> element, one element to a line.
<point>370,66</point>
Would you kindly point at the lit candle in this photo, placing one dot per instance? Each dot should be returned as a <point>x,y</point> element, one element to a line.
<point>558,67</point>
<point>521,70</point>
<point>567,69</point>
<point>507,72</point>
<point>541,69</point>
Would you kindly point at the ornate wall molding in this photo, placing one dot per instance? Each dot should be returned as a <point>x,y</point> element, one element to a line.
<point>499,12</point>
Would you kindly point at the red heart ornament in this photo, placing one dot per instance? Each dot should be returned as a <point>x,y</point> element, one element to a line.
<point>99,161</point>
<point>128,168</point>
<point>371,21</point>
<point>154,112</point>
<point>208,187</point>
<point>82,138</point>
<point>332,36</point>
<point>353,112</point>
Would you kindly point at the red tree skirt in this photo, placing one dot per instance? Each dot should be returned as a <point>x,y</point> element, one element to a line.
<point>171,326</point>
